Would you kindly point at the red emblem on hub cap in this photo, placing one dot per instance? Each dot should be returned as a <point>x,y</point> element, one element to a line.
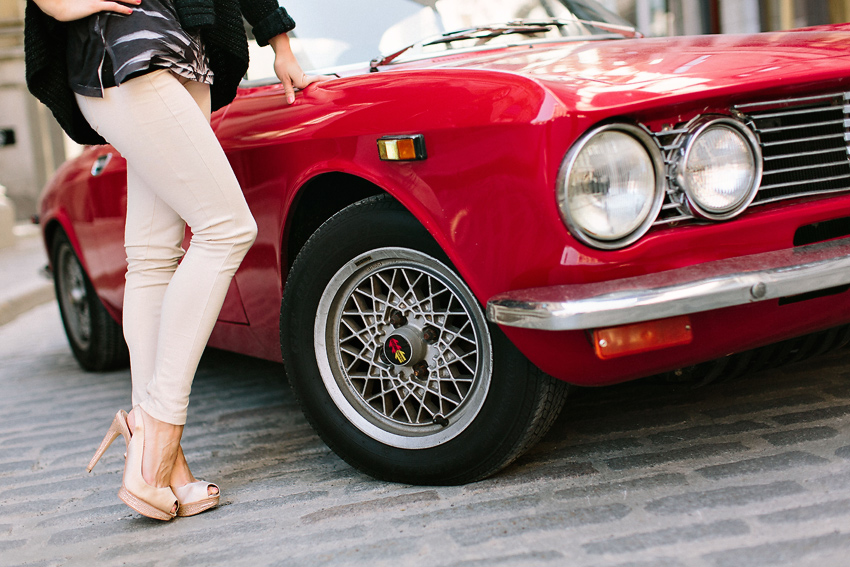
<point>397,349</point>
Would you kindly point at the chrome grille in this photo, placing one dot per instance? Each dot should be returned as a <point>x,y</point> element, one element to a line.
<point>804,142</point>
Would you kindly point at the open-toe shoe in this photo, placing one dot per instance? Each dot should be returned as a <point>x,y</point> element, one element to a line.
<point>194,498</point>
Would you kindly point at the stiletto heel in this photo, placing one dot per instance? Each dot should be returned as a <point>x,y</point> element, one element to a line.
<point>194,498</point>
<point>116,428</point>
<point>147,500</point>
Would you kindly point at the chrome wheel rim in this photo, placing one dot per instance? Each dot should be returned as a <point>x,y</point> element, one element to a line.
<point>73,297</point>
<point>403,348</point>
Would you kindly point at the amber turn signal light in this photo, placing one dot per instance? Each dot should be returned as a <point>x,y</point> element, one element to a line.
<point>402,148</point>
<point>636,338</point>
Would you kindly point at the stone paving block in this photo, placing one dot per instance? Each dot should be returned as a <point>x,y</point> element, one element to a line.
<point>761,405</point>
<point>17,508</point>
<point>552,470</point>
<point>705,432</point>
<point>7,546</point>
<point>761,465</point>
<point>398,551</point>
<point>660,562</point>
<point>476,509</point>
<point>625,487</point>
<point>631,422</point>
<point>530,558</point>
<point>797,436</point>
<point>378,504</point>
<point>547,452</point>
<point>516,525</point>
<point>800,514</point>
<point>246,432</point>
<point>108,513</point>
<point>703,451</point>
<point>789,552</point>
<point>16,467</point>
<point>809,416</point>
<point>722,497</point>
<point>669,536</point>
<point>840,391</point>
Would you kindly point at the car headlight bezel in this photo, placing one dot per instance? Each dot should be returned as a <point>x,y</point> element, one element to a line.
<point>656,160</point>
<point>698,129</point>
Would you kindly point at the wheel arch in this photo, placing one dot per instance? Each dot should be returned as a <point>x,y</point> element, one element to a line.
<point>328,193</point>
<point>317,200</point>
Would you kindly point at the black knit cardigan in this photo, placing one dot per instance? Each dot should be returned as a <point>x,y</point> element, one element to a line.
<point>225,42</point>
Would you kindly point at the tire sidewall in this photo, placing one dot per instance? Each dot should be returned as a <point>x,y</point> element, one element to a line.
<point>369,225</point>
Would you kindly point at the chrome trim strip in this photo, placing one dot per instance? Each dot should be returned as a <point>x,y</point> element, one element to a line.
<point>791,100</point>
<point>803,140</point>
<point>810,194</point>
<point>805,182</point>
<point>704,287</point>
<point>808,167</point>
<point>841,121</point>
<point>842,149</point>
<point>845,110</point>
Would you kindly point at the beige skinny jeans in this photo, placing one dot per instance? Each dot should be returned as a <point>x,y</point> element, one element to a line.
<point>177,174</point>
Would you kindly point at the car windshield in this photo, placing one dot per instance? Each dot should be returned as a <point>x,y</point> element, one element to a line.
<point>335,33</point>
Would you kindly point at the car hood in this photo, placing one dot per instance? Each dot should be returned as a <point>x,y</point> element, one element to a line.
<point>648,68</point>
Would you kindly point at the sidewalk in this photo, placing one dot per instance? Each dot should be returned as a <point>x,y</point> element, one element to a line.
<point>23,285</point>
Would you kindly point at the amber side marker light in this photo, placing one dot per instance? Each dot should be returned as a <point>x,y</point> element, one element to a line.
<point>642,337</point>
<point>402,148</point>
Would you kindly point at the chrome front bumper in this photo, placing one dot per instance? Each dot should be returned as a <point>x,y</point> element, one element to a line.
<point>712,285</point>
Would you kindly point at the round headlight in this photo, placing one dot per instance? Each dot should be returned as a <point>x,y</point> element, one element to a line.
<point>610,186</point>
<point>720,169</point>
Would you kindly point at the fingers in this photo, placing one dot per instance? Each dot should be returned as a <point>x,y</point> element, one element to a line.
<point>290,91</point>
<point>120,8</point>
<point>310,79</point>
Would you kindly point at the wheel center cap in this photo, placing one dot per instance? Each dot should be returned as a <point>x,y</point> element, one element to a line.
<point>398,349</point>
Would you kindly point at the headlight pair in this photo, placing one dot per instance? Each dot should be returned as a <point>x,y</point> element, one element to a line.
<point>612,182</point>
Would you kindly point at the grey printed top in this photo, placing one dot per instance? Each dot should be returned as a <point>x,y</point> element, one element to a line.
<point>107,48</point>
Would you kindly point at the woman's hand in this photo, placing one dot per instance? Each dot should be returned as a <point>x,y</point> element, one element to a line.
<point>288,70</point>
<point>69,10</point>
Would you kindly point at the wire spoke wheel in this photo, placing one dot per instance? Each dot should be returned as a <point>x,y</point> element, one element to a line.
<point>404,351</point>
<point>96,339</point>
<point>73,297</point>
<point>393,361</point>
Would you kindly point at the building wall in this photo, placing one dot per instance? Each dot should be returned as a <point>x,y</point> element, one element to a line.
<point>38,147</point>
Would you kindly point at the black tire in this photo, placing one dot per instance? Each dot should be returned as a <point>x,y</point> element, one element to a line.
<point>96,340</point>
<point>479,403</point>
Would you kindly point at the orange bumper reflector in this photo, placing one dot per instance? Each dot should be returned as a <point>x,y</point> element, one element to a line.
<point>402,148</point>
<point>642,337</point>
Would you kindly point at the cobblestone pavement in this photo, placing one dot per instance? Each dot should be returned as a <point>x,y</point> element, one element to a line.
<point>749,473</point>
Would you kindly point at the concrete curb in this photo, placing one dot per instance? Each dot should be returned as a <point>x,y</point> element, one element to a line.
<point>11,308</point>
<point>22,287</point>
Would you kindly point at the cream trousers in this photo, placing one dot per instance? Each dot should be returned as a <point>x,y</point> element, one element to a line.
<point>177,174</point>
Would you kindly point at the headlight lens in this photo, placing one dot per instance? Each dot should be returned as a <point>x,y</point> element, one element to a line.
<point>721,169</point>
<point>609,191</point>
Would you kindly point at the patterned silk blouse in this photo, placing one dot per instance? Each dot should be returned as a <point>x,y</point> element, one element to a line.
<point>107,48</point>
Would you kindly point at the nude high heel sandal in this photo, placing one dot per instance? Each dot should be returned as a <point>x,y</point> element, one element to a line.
<point>147,500</point>
<point>118,427</point>
<point>195,498</point>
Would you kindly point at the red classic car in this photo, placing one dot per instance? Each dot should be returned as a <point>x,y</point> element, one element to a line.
<point>530,197</point>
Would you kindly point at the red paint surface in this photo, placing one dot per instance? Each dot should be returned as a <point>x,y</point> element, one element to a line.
<point>496,125</point>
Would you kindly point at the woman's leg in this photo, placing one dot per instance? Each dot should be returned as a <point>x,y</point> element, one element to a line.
<point>180,171</point>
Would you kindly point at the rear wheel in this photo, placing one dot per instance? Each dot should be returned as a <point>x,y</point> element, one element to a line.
<point>96,340</point>
<point>393,360</point>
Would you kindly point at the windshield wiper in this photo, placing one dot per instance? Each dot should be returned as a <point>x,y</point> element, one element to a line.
<point>485,33</point>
